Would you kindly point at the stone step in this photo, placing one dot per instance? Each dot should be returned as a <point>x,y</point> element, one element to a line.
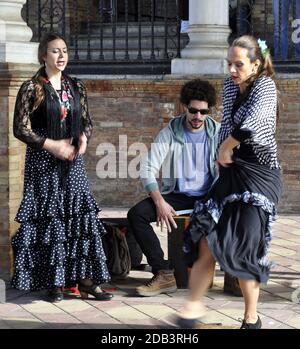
<point>120,54</point>
<point>133,28</point>
<point>133,43</point>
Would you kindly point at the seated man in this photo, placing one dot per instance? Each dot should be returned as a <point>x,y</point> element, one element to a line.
<point>185,151</point>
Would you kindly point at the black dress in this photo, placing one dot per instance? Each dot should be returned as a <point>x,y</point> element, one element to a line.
<point>59,240</point>
<point>237,217</point>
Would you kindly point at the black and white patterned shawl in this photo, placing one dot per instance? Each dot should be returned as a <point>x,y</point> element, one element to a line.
<point>254,123</point>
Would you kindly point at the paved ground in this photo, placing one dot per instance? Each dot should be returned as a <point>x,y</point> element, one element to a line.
<point>279,303</point>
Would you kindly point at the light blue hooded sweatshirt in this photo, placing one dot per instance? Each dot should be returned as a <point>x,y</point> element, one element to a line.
<point>167,148</point>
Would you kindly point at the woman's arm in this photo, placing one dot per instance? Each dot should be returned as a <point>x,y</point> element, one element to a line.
<point>87,125</point>
<point>61,149</point>
<point>226,150</point>
<point>260,118</point>
<point>21,122</point>
<point>85,115</point>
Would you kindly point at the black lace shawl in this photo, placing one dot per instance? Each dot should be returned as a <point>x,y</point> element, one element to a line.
<point>47,116</point>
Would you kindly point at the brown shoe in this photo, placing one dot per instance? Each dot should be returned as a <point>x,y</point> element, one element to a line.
<point>162,282</point>
<point>231,285</point>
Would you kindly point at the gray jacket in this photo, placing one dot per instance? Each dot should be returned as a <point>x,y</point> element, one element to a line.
<point>167,148</point>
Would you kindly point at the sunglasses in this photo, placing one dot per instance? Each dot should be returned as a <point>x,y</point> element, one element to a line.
<point>195,111</point>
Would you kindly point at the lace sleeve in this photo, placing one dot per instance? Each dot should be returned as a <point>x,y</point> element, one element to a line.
<point>86,119</point>
<point>23,109</point>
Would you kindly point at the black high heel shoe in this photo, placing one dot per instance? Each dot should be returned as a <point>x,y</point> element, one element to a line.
<point>248,326</point>
<point>92,290</point>
<point>55,295</point>
<point>197,323</point>
<point>183,323</point>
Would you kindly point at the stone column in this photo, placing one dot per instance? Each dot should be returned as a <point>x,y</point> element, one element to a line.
<point>18,62</point>
<point>208,32</point>
<point>15,34</point>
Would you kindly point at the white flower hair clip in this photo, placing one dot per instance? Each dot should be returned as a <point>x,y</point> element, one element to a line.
<point>263,48</point>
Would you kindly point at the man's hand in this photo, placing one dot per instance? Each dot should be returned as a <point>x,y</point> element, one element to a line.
<point>165,213</point>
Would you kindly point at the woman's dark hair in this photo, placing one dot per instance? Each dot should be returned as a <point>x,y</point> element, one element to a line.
<point>39,78</point>
<point>254,52</point>
<point>200,90</point>
<point>265,69</point>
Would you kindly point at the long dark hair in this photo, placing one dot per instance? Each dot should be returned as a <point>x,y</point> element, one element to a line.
<point>254,53</point>
<point>265,68</point>
<point>39,78</point>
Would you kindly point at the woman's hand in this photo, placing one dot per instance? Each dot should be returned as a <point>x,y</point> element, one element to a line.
<point>62,149</point>
<point>82,145</point>
<point>225,157</point>
<point>226,151</point>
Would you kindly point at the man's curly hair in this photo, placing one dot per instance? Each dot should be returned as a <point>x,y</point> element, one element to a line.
<point>200,90</point>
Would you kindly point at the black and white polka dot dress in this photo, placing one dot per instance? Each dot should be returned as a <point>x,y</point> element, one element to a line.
<point>59,239</point>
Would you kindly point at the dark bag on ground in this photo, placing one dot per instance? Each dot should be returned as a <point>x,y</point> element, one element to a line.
<point>117,251</point>
<point>136,254</point>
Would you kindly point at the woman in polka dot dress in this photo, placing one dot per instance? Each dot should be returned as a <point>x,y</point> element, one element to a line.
<point>59,240</point>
